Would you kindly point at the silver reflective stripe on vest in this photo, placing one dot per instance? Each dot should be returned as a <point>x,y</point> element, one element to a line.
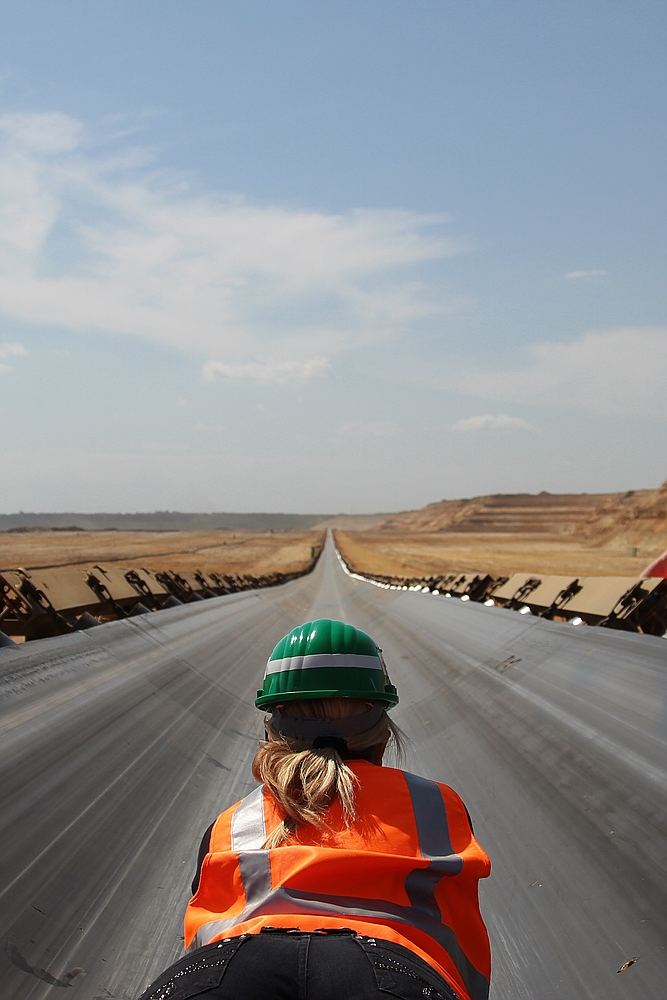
<point>294,902</point>
<point>255,868</point>
<point>434,843</point>
<point>431,819</point>
<point>248,826</point>
<point>420,884</point>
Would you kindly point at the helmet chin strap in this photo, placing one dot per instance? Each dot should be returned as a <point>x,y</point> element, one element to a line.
<point>309,730</point>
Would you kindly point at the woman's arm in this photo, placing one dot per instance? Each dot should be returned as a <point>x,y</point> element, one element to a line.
<point>203,851</point>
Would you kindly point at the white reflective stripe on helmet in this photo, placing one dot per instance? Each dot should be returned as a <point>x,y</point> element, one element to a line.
<point>313,660</point>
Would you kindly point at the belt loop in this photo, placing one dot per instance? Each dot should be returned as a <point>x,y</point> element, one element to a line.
<point>303,943</point>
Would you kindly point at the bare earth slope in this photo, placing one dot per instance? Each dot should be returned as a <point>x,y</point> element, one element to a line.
<point>612,534</point>
<point>635,518</point>
<point>632,517</point>
<point>519,512</point>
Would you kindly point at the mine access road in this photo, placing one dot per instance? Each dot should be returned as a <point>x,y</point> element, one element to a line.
<point>119,745</point>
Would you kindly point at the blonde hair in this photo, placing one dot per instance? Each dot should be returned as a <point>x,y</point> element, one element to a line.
<point>305,780</point>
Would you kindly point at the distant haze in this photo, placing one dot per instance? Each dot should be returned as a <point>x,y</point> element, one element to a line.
<point>163,521</point>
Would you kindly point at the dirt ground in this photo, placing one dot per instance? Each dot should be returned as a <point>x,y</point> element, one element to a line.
<point>498,554</point>
<point>225,551</point>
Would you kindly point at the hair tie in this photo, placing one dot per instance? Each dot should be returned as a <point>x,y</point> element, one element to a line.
<point>334,742</point>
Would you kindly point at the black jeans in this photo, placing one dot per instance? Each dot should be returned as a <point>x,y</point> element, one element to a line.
<point>279,964</point>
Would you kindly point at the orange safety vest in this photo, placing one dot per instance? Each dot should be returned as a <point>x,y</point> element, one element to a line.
<point>407,872</point>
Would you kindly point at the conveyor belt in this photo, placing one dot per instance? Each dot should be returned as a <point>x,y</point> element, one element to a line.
<point>119,745</point>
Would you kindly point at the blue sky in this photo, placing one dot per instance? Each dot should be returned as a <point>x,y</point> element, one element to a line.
<point>329,256</point>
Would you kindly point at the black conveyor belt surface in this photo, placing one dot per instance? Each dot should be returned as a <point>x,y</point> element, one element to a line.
<point>119,745</point>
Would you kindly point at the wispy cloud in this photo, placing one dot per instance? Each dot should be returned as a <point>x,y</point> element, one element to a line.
<point>488,422</point>
<point>621,371</point>
<point>575,275</point>
<point>96,242</point>
<point>12,351</point>
<point>380,428</point>
<point>50,132</point>
<point>277,373</point>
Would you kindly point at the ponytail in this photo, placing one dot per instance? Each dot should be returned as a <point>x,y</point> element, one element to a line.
<point>304,783</point>
<point>304,779</point>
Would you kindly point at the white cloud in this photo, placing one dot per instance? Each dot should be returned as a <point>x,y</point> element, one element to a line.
<point>488,422</point>
<point>12,351</point>
<point>622,371</point>
<point>277,373</point>
<point>51,132</point>
<point>356,428</point>
<point>105,244</point>
<point>574,275</point>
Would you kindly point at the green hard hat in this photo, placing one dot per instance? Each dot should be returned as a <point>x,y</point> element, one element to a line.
<point>326,659</point>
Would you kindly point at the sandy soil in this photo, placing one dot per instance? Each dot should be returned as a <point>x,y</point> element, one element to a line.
<point>414,554</point>
<point>224,551</point>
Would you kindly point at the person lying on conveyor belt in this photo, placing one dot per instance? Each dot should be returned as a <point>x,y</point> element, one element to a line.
<point>337,877</point>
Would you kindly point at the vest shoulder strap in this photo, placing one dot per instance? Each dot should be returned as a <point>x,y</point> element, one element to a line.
<point>242,827</point>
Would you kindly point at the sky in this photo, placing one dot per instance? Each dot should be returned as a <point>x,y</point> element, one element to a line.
<point>329,256</point>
